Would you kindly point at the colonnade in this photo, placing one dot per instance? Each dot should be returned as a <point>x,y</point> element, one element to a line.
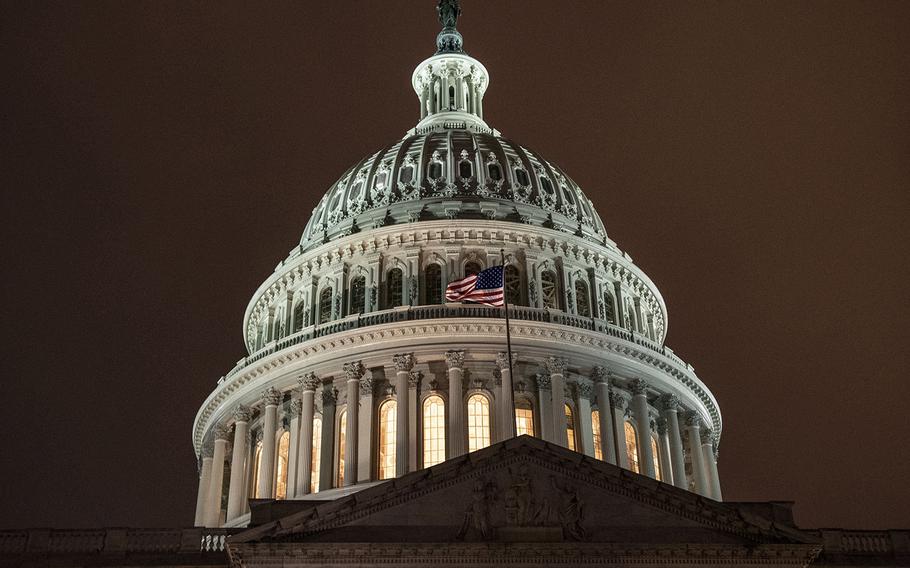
<point>659,423</point>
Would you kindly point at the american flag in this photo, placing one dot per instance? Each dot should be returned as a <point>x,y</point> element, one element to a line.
<point>485,287</point>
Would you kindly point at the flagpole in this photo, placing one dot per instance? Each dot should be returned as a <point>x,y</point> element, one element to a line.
<point>505,307</point>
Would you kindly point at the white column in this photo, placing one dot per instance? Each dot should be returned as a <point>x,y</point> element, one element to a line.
<point>557,368</point>
<point>639,392</point>
<point>294,409</point>
<point>707,448</point>
<point>602,390</point>
<point>270,399</point>
<point>457,432</point>
<point>213,500</point>
<point>404,362</point>
<point>693,427</point>
<point>238,463</point>
<point>507,397</point>
<point>670,411</point>
<point>327,458</point>
<point>583,420</point>
<point>308,385</point>
<point>544,395</point>
<point>413,401</point>
<point>365,434</point>
<point>205,480</point>
<point>353,372</point>
<point>619,424</point>
<point>666,467</point>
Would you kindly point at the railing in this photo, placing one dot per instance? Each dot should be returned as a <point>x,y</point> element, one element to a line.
<point>853,542</point>
<point>442,311</point>
<point>108,541</point>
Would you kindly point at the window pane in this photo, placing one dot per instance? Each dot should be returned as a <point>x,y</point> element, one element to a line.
<point>281,475</point>
<point>342,426</point>
<point>435,171</point>
<point>388,415</point>
<point>298,316</point>
<point>433,279</point>
<point>495,172</point>
<point>632,447</point>
<point>549,290</point>
<point>314,459</point>
<point>521,176</point>
<point>570,428</point>
<point>358,295</point>
<point>595,427</point>
<point>513,285</point>
<point>434,431</point>
<point>654,453</point>
<point>524,421</point>
<point>582,300</point>
<point>465,170</point>
<point>395,287</point>
<point>478,422</point>
<point>609,308</point>
<point>325,305</point>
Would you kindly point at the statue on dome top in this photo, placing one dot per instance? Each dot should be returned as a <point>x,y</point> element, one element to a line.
<point>448,10</point>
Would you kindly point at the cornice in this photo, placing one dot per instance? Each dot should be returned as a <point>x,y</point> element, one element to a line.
<point>537,339</point>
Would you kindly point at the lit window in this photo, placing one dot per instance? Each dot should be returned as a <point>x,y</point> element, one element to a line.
<point>433,280</point>
<point>325,305</point>
<point>342,426</point>
<point>570,428</point>
<point>549,289</point>
<point>358,295</point>
<point>257,462</point>
<point>281,474</point>
<point>478,422</point>
<point>654,449</point>
<point>314,459</point>
<point>595,428</point>
<point>387,422</point>
<point>395,289</point>
<point>582,300</point>
<point>632,447</point>
<point>524,418</point>
<point>434,431</point>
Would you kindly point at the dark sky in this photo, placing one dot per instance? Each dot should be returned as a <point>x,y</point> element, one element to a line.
<point>160,158</point>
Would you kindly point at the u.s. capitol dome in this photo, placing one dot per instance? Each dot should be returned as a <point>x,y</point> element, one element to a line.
<point>359,371</point>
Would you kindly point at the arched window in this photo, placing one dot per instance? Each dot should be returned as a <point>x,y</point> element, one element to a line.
<point>433,280</point>
<point>388,416</point>
<point>609,308</point>
<point>451,98</point>
<point>654,449</point>
<point>434,431</point>
<point>317,451</point>
<point>298,316</point>
<point>595,428</point>
<point>281,473</point>
<point>570,428</point>
<point>549,289</point>
<point>472,268</point>
<point>524,418</point>
<point>478,422</point>
<point>633,321</point>
<point>632,447</point>
<point>395,289</point>
<point>257,461</point>
<point>358,295</point>
<point>582,299</point>
<point>513,285</point>
<point>342,428</point>
<point>325,305</point>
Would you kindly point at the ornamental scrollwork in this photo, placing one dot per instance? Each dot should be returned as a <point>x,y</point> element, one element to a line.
<point>455,359</point>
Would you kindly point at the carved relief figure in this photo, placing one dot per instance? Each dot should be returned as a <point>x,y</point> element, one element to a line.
<point>477,515</point>
<point>521,508</point>
<point>570,510</point>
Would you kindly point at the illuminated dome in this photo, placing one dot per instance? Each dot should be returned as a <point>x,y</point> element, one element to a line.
<point>358,370</point>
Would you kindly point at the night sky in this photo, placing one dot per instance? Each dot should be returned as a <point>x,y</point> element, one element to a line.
<point>160,158</point>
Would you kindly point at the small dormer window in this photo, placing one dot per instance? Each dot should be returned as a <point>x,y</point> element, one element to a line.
<point>406,175</point>
<point>521,176</point>
<point>546,185</point>
<point>495,172</point>
<point>435,170</point>
<point>464,169</point>
<point>381,180</point>
<point>451,98</point>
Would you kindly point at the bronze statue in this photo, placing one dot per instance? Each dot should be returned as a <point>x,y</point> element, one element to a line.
<point>448,10</point>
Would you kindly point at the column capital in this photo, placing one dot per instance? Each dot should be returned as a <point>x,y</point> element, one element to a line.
<point>403,361</point>
<point>295,408</point>
<point>329,396</point>
<point>455,359</point>
<point>638,387</point>
<point>668,402</point>
<point>693,419</point>
<point>270,396</point>
<point>502,360</point>
<point>618,401</point>
<point>310,381</point>
<point>556,365</point>
<point>585,388</point>
<point>543,381</point>
<point>662,426</point>
<point>208,450</point>
<point>599,374</point>
<point>354,370</point>
<point>707,436</point>
<point>242,413</point>
<point>221,432</point>
<point>414,379</point>
<point>366,386</point>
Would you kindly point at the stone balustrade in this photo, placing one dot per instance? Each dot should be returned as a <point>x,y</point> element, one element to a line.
<point>113,541</point>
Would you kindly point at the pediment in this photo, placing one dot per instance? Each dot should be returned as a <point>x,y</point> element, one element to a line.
<point>524,490</point>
